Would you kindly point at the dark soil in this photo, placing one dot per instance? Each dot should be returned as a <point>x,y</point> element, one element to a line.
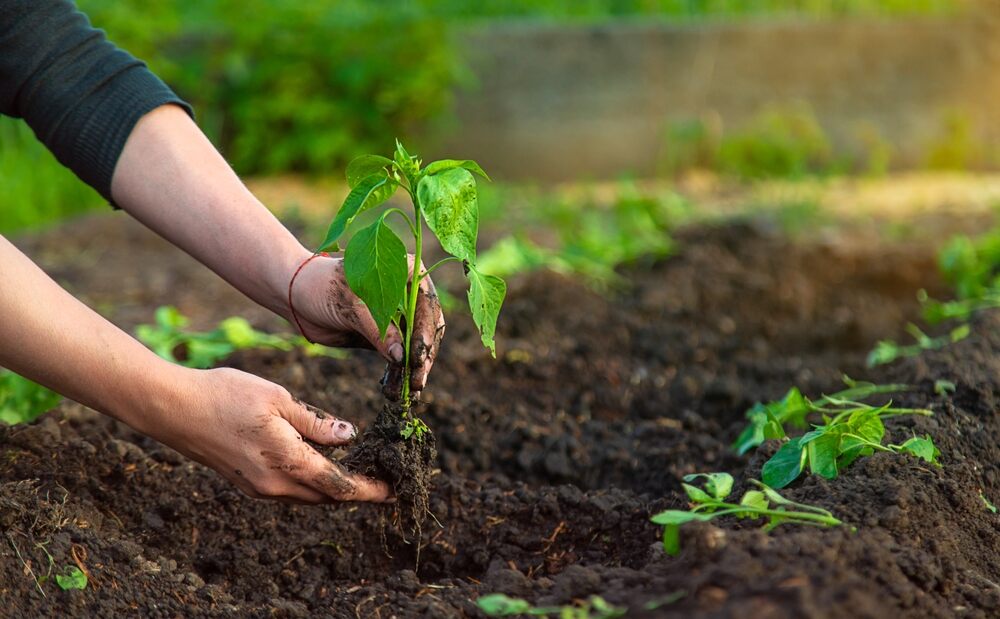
<point>551,458</point>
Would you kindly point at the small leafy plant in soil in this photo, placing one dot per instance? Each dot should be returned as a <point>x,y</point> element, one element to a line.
<point>849,431</point>
<point>771,420</point>
<point>709,502</point>
<point>399,447</point>
<point>595,607</point>
<point>887,351</point>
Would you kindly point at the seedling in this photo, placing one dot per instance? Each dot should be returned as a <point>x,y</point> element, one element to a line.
<point>944,387</point>
<point>850,430</point>
<point>71,578</point>
<point>500,605</point>
<point>22,400</point>
<point>989,504</point>
<point>771,420</point>
<point>170,339</point>
<point>375,262</point>
<point>887,351</point>
<point>709,502</point>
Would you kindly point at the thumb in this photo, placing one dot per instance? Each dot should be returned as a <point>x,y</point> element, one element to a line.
<point>317,425</point>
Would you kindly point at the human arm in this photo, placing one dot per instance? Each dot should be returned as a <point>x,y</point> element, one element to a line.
<point>244,427</point>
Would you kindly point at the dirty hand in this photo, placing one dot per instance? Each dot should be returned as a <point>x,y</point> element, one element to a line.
<point>253,433</point>
<point>329,312</point>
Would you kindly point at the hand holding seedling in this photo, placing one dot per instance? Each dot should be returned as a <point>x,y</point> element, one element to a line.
<point>330,313</point>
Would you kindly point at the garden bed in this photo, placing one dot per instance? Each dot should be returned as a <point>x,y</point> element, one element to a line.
<point>552,458</point>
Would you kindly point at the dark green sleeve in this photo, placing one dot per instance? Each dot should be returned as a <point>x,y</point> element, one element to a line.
<point>79,93</point>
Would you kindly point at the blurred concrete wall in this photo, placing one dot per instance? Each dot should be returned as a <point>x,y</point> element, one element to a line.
<point>558,102</point>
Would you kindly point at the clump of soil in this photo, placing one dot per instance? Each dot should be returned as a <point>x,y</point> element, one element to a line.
<point>406,464</point>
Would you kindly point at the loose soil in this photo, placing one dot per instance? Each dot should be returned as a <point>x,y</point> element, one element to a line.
<point>551,458</point>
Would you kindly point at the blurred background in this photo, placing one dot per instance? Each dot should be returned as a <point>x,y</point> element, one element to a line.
<point>570,102</point>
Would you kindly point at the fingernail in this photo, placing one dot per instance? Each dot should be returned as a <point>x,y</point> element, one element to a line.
<point>396,352</point>
<point>344,431</point>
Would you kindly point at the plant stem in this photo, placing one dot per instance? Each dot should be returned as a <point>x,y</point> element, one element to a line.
<point>803,516</point>
<point>436,265</point>
<point>411,303</point>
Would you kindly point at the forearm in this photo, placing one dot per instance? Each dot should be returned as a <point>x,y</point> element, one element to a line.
<point>54,339</point>
<point>173,180</point>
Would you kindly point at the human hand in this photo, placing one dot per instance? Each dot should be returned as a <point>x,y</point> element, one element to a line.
<point>328,312</point>
<point>252,432</point>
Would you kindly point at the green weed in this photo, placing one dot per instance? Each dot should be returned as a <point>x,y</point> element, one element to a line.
<point>887,351</point>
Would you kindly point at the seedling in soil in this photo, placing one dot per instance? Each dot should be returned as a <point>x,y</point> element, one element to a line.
<point>72,578</point>
<point>850,430</point>
<point>887,351</point>
<point>944,387</point>
<point>170,339</point>
<point>771,420</point>
<point>22,400</point>
<point>399,447</point>
<point>989,504</point>
<point>500,605</point>
<point>709,502</point>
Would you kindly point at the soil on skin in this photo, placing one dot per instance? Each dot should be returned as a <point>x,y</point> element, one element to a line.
<point>407,465</point>
<point>551,458</point>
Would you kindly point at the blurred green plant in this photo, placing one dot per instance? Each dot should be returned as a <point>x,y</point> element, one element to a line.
<point>887,351</point>
<point>782,142</point>
<point>595,607</point>
<point>22,400</point>
<point>592,241</point>
<point>37,189</point>
<point>170,339</point>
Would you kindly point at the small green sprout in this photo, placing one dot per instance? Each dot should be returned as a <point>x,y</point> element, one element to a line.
<point>989,504</point>
<point>71,578</point>
<point>944,387</point>
<point>22,400</point>
<point>850,430</point>
<point>169,336</point>
<point>444,198</point>
<point>595,607</point>
<point>887,351</point>
<point>771,420</point>
<point>709,502</point>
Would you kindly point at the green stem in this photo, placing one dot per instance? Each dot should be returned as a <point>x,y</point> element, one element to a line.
<point>804,516</point>
<point>401,213</point>
<point>436,265</point>
<point>411,304</point>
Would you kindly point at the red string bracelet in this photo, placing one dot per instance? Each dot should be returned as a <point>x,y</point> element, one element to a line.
<point>291,283</point>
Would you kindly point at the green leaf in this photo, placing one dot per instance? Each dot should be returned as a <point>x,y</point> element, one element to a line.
<point>753,434</point>
<point>500,605</point>
<point>204,353</point>
<point>448,202</point>
<point>696,494</point>
<point>377,271</point>
<point>406,163</point>
<point>73,578</point>
<point>449,164</point>
<point>867,424</point>
<point>369,193</point>
<point>755,499</point>
<point>792,409</point>
<point>365,166</point>
<point>822,453</point>
<point>22,400</point>
<point>169,317</point>
<point>784,466</point>
<point>718,485</point>
<point>923,448</point>
<point>486,294</point>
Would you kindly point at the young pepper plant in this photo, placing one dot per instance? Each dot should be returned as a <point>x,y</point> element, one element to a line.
<point>444,198</point>
<point>850,430</point>
<point>709,502</point>
<point>771,420</point>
